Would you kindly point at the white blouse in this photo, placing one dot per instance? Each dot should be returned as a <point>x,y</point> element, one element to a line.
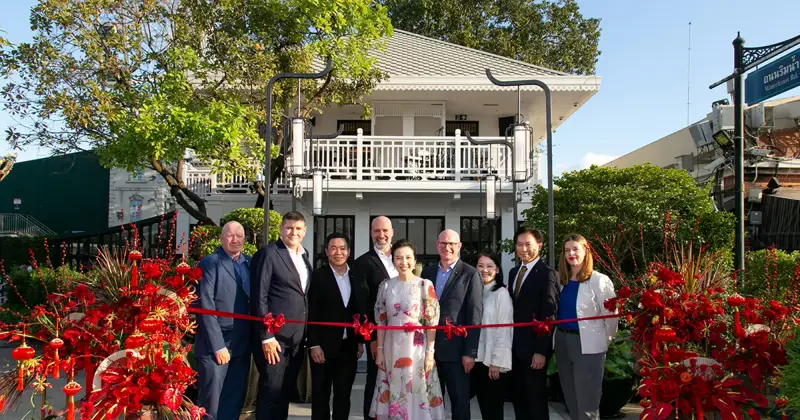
<point>494,348</point>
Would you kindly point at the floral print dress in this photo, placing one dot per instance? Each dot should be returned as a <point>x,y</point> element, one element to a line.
<point>404,391</point>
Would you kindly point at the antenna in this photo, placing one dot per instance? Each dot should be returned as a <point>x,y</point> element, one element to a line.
<point>689,77</point>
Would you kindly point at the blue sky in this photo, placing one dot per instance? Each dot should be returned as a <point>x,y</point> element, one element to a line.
<point>643,64</point>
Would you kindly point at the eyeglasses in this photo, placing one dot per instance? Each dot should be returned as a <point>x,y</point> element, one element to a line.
<point>450,244</point>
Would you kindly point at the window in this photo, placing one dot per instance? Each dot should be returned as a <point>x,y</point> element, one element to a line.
<point>471,126</point>
<point>136,176</point>
<point>324,226</point>
<point>422,231</point>
<point>136,208</point>
<point>351,127</point>
<point>477,234</point>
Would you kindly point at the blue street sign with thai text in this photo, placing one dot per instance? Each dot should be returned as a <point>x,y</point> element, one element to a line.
<point>773,79</point>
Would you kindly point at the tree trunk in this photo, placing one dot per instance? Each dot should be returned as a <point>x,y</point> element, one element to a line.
<point>6,164</point>
<point>276,167</point>
<point>183,195</point>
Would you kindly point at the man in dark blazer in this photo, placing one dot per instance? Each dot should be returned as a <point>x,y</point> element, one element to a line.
<point>534,289</point>
<point>337,293</point>
<point>374,267</point>
<point>279,282</point>
<point>222,347</point>
<point>460,290</point>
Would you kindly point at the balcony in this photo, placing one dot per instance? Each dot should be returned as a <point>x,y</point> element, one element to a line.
<point>355,163</point>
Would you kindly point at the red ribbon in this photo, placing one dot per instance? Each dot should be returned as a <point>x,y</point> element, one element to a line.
<point>273,324</point>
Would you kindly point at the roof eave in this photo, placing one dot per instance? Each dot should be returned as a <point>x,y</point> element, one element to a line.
<point>472,83</point>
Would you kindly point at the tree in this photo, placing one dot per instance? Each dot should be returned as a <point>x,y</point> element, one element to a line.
<point>549,33</point>
<point>141,82</point>
<point>6,164</point>
<point>625,209</point>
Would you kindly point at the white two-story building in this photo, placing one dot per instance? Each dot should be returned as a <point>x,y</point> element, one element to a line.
<point>410,161</point>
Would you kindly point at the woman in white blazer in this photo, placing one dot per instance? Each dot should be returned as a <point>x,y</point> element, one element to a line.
<point>581,346</point>
<point>494,347</point>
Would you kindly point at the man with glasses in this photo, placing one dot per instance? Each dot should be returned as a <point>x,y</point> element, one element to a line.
<point>460,292</point>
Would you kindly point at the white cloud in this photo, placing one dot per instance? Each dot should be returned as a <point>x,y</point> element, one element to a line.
<point>595,159</point>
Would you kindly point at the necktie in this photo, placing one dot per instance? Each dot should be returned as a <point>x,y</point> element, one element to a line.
<point>518,282</point>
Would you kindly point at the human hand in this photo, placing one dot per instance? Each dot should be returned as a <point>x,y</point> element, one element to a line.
<point>494,373</point>
<point>429,362</point>
<point>379,361</point>
<point>271,352</point>
<point>468,363</point>
<point>222,356</point>
<point>538,361</point>
<point>317,355</point>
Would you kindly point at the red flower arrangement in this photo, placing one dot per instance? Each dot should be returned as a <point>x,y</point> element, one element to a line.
<point>125,326</point>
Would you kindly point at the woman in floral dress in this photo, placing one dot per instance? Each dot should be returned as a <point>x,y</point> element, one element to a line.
<point>407,385</point>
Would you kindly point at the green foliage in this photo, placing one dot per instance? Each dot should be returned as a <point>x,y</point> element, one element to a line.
<point>790,374</point>
<point>759,277</point>
<point>602,202</point>
<point>619,358</point>
<point>550,33</point>
<point>15,252</point>
<point>34,285</point>
<point>140,82</point>
<point>253,221</point>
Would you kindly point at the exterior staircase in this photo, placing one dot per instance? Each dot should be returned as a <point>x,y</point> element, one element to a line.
<point>15,224</point>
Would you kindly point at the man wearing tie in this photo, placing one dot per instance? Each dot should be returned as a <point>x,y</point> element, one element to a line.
<point>460,290</point>
<point>375,266</point>
<point>279,282</point>
<point>534,287</point>
<point>334,351</point>
<point>222,347</point>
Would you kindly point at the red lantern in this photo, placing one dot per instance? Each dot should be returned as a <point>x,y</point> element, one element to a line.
<point>150,325</point>
<point>56,344</point>
<point>71,389</point>
<point>736,300</point>
<point>21,354</point>
<point>183,269</point>
<point>135,341</point>
<point>134,256</point>
<point>665,334</point>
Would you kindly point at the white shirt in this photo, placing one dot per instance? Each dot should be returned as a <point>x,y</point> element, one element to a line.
<point>302,270</point>
<point>528,268</point>
<point>344,288</point>
<point>387,263</point>
<point>494,346</point>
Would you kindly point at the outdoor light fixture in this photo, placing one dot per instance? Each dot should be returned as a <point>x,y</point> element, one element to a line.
<point>316,207</point>
<point>491,190</point>
<point>298,132</point>
<point>722,138</point>
<point>522,151</point>
<point>17,202</point>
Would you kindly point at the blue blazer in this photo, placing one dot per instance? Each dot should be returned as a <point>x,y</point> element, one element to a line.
<point>275,288</point>
<point>221,291</point>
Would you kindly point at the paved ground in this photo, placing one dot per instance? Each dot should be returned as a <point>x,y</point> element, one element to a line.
<point>26,409</point>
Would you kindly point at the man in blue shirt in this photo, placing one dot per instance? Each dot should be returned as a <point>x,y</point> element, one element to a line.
<point>222,348</point>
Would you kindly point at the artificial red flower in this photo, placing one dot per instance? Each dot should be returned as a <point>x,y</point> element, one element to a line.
<point>150,270</point>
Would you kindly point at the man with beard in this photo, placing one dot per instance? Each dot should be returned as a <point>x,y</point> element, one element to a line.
<point>375,266</point>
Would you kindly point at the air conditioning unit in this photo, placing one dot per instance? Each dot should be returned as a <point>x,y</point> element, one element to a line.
<point>721,118</point>
<point>756,116</point>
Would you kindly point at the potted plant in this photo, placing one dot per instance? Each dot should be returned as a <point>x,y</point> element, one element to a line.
<point>619,377</point>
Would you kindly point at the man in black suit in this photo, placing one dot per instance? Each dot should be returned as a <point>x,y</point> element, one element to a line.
<point>279,280</point>
<point>375,266</point>
<point>336,294</point>
<point>534,290</point>
<point>460,290</point>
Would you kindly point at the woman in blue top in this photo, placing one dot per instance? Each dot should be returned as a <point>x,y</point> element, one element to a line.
<point>581,346</point>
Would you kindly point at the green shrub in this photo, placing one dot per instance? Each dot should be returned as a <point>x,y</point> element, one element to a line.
<point>207,240</point>
<point>16,251</point>
<point>756,280</point>
<point>33,286</point>
<point>790,378</point>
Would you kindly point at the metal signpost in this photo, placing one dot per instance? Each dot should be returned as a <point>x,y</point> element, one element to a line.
<point>775,79</point>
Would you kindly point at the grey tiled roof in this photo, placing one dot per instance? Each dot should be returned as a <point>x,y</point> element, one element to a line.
<point>409,54</point>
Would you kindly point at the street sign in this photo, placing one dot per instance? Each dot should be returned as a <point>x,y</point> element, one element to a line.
<point>773,79</point>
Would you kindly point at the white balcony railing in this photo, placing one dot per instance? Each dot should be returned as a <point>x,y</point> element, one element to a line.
<point>375,158</point>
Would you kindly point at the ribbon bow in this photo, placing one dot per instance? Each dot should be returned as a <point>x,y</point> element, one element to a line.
<point>364,329</point>
<point>450,329</point>
<point>273,325</point>
<point>540,327</point>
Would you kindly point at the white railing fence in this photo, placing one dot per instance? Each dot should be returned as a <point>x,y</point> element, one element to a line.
<point>15,224</point>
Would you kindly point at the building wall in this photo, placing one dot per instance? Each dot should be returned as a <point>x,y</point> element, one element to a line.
<point>127,189</point>
<point>66,193</point>
<point>662,152</point>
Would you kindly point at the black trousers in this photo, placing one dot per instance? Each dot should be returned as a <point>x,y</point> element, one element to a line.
<point>277,383</point>
<point>455,382</point>
<point>531,387</point>
<point>490,393</point>
<point>369,386</point>
<point>338,373</point>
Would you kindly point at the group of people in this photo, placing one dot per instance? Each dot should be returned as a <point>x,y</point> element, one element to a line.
<point>408,371</point>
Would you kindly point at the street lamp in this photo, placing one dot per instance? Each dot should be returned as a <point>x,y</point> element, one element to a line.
<point>522,152</point>
<point>316,207</point>
<point>491,190</point>
<point>298,145</point>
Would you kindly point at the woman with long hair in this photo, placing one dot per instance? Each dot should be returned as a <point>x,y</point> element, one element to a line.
<point>494,348</point>
<point>407,386</point>
<point>581,345</point>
